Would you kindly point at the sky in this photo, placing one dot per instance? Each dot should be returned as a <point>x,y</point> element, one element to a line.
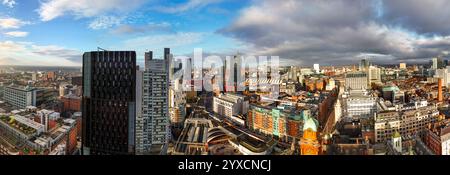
<point>301,32</point>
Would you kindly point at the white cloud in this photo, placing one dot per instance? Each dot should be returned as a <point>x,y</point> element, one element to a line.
<point>26,53</point>
<point>9,3</point>
<point>51,9</point>
<point>165,40</point>
<point>105,22</point>
<point>16,34</point>
<point>151,27</point>
<point>191,4</point>
<point>11,23</point>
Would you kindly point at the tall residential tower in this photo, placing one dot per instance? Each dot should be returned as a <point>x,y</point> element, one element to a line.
<point>153,126</point>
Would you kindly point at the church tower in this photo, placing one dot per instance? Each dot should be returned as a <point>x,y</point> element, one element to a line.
<point>309,145</point>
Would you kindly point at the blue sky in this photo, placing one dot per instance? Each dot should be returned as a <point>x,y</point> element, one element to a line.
<point>301,32</point>
<point>49,26</point>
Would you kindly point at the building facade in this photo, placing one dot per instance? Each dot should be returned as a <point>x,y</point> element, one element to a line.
<point>20,97</point>
<point>154,129</point>
<point>283,124</point>
<point>360,104</point>
<point>356,81</point>
<point>108,104</point>
<point>229,105</point>
<point>407,123</point>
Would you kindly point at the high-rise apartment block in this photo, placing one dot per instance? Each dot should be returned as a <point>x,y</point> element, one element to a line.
<point>153,122</point>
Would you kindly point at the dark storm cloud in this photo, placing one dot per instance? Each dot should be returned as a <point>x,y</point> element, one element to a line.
<point>329,32</point>
<point>422,16</point>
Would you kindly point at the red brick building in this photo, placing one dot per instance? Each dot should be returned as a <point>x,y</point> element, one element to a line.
<point>71,103</point>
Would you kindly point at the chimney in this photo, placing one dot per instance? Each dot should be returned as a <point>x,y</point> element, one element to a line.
<point>440,96</point>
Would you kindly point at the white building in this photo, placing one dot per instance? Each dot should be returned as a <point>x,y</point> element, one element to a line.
<point>360,104</point>
<point>20,97</point>
<point>229,105</point>
<point>316,68</point>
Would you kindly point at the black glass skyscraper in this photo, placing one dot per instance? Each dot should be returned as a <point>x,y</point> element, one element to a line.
<point>109,86</point>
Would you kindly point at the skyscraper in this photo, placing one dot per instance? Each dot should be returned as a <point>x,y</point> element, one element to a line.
<point>232,72</point>
<point>435,63</point>
<point>364,64</point>
<point>109,85</point>
<point>154,132</point>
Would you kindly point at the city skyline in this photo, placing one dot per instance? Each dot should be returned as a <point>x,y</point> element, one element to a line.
<point>300,32</point>
<point>270,78</point>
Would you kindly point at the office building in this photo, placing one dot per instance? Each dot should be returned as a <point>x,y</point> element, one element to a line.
<point>20,97</point>
<point>356,81</point>
<point>360,104</point>
<point>108,104</point>
<point>229,105</point>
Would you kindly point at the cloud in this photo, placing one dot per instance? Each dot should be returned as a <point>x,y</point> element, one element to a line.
<point>51,9</point>
<point>129,29</point>
<point>165,40</point>
<point>104,22</point>
<point>9,3</point>
<point>425,17</point>
<point>16,34</point>
<point>329,32</point>
<point>11,23</point>
<point>57,51</point>
<point>27,53</point>
<point>189,5</point>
